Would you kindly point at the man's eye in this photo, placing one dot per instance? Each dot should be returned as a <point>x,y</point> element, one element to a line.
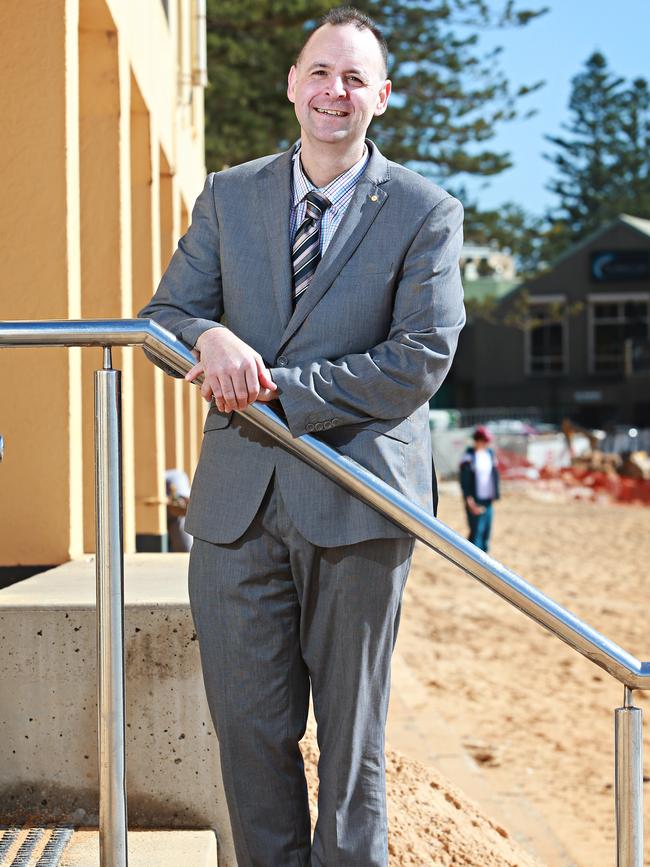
<point>355,79</point>
<point>318,72</point>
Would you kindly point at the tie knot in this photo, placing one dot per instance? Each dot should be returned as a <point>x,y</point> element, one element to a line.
<point>317,204</point>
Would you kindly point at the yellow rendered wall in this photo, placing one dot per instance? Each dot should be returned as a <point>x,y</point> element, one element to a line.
<point>175,390</point>
<point>153,50</point>
<point>105,235</point>
<point>40,390</point>
<point>82,237</point>
<point>149,435</point>
<point>198,408</point>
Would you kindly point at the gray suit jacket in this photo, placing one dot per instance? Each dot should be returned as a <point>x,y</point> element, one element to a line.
<point>356,362</point>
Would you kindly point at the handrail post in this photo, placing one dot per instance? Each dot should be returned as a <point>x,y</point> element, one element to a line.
<point>629,783</point>
<point>110,617</point>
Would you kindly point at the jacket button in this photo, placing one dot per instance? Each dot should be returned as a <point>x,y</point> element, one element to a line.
<point>309,428</point>
<point>283,361</point>
<point>318,426</point>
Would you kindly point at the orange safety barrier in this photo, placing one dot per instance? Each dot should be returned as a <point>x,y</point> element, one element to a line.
<point>592,483</point>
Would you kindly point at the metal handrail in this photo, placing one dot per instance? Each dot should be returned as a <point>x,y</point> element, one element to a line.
<point>623,666</point>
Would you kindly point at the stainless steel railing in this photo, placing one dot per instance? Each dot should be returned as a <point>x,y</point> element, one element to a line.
<point>160,344</point>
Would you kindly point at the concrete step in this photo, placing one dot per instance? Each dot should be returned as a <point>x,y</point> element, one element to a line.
<point>48,696</point>
<point>148,849</point>
<point>63,847</point>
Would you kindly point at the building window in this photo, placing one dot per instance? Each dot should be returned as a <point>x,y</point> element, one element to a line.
<point>546,337</point>
<point>618,324</point>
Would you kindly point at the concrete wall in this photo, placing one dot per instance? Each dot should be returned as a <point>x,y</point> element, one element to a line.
<point>48,727</point>
<point>103,149</point>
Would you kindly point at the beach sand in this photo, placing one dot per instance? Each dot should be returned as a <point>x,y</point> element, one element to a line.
<point>431,822</point>
<point>537,717</point>
<point>486,703</point>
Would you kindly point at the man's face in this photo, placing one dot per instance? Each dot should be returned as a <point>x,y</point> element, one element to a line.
<point>338,85</point>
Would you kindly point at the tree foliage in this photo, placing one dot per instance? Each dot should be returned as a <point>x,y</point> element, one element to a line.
<point>602,162</point>
<point>449,95</point>
<point>516,310</point>
<point>602,165</point>
<point>509,228</point>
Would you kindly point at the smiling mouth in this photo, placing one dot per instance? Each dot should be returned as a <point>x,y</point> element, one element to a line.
<point>332,112</point>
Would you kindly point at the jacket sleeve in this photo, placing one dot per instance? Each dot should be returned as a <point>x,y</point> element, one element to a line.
<point>496,475</point>
<point>466,476</point>
<point>189,298</point>
<point>395,377</point>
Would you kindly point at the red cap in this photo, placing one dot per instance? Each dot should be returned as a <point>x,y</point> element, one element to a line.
<point>482,433</point>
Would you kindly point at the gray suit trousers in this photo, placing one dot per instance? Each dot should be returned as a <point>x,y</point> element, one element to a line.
<point>274,614</point>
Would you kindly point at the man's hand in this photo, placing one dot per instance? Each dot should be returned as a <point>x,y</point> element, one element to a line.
<point>233,372</point>
<point>474,507</point>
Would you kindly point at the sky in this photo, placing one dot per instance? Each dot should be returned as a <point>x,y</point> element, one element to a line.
<point>555,48</point>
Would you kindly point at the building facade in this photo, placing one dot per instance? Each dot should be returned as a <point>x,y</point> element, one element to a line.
<point>580,345</point>
<point>103,155</point>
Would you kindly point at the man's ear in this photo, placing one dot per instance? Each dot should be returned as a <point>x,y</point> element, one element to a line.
<point>291,84</point>
<point>382,99</point>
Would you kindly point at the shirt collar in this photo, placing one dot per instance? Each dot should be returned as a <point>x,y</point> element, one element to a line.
<point>336,189</point>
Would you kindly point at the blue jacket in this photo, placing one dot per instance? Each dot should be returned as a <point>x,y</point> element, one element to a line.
<point>468,473</point>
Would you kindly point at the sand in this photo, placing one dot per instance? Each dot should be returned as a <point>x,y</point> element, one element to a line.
<point>431,822</point>
<point>535,715</point>
<point>502,707</point>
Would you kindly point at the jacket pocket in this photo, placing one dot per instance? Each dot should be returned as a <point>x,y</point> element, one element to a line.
<point>217,420</point>
<point>391,428</point>
<point>401,430</point>
<point>361,271</point>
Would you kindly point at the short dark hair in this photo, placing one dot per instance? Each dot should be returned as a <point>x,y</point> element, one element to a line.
<point>349,15</point>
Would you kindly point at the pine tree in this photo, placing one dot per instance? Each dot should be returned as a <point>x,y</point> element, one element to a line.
<point>449,95</point>
<point>603,162</point>
<point>633,168</point>
<point>251,44</point>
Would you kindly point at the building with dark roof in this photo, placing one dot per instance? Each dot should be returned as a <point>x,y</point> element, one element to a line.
<point>580,344</point>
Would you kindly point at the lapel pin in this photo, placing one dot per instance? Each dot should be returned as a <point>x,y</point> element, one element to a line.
<point>373,198</point>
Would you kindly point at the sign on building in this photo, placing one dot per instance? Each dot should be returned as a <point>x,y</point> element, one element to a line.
<point>614,266</point>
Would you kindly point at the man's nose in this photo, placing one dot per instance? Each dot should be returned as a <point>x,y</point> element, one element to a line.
<point>336,87</point>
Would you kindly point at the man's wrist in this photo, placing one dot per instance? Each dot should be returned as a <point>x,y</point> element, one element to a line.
<point>199,339</point>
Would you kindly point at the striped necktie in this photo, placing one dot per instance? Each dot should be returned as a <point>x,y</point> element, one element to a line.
<point>306,245</point>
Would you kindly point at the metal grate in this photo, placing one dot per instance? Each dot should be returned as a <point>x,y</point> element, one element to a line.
<point>55,845</point>
<point>54,848</point>
<point>7,840</point>
<point>24,854</point>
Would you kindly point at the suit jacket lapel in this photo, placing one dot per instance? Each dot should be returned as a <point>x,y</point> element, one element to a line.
<point>366,203</point>
<point>274,202</point>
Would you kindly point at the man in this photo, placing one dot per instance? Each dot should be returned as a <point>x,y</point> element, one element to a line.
<point>336,273</point>
<point>479,482</point>
<point>177,488</point>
